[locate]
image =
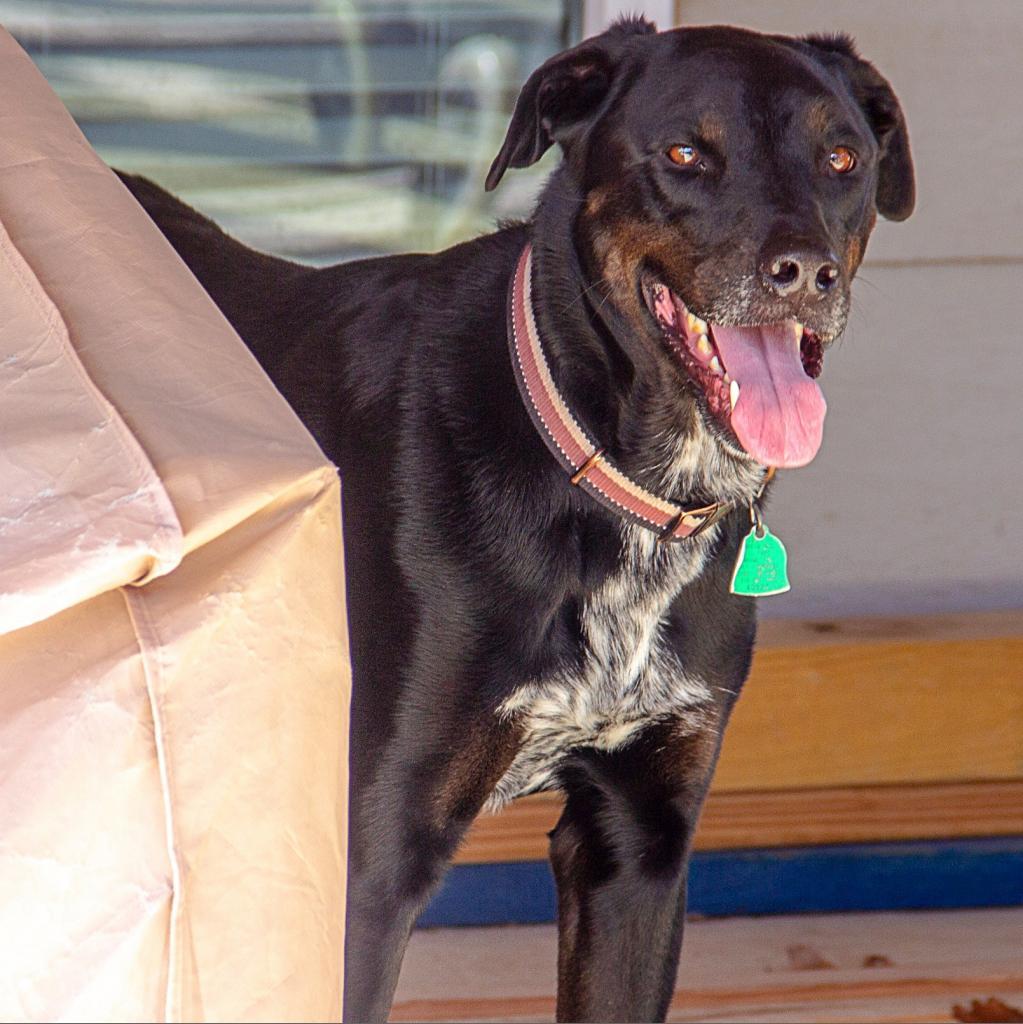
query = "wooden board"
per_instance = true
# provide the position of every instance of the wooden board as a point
(851, 731)
(884, 629)
(743, 969)
(879, 701)
(802, 817)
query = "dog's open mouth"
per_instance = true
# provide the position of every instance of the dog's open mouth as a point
(756, 380)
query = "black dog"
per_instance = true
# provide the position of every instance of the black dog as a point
(528, 612)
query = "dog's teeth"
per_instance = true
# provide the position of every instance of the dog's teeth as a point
(733, 393)
(703, 346)
(715, 364)
(695, 324)
(799, 332)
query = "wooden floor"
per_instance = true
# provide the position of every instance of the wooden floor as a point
(911, 966)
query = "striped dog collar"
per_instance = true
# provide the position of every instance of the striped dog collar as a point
(581, 457)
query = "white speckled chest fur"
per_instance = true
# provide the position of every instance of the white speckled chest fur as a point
(628, 676)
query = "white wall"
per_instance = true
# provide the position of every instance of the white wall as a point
(915, 502)
(598, 14)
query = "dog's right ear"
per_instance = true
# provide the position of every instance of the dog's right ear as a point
(561, 97)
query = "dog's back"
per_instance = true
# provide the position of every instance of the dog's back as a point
(228, 270)
(339, 341)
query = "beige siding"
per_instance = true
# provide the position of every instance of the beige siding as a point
(915, 502)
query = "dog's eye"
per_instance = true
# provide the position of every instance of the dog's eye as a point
(842, 160)
(684, 155)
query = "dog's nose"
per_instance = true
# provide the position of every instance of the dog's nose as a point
(797, 269)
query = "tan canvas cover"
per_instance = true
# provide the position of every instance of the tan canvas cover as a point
(173, 658)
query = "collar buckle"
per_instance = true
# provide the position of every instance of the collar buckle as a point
(711, 514)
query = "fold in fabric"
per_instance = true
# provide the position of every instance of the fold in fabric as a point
(174, 675)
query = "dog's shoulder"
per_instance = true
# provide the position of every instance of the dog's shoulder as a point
(360, 335)
(419, 298)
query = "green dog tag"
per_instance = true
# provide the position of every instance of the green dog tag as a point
(761, 568)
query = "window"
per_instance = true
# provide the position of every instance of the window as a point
(317, 129)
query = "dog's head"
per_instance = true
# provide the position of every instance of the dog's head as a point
(728, 184)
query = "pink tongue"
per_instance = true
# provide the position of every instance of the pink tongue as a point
(779, 418)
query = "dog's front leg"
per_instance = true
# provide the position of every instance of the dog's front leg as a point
(399, 855)
(620, 853)
(406, 826)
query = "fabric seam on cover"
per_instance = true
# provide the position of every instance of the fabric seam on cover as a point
(155, 495)
(148, 640)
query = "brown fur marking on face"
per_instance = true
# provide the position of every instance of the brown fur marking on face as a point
(853, 253)
(619, 244)
(857, 244)
(597, 200)
(818, 118)
(712, 129)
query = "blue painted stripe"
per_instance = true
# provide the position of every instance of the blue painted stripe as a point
(874, 876)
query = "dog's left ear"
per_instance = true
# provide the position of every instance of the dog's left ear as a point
(896, 187)
(560, 98)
